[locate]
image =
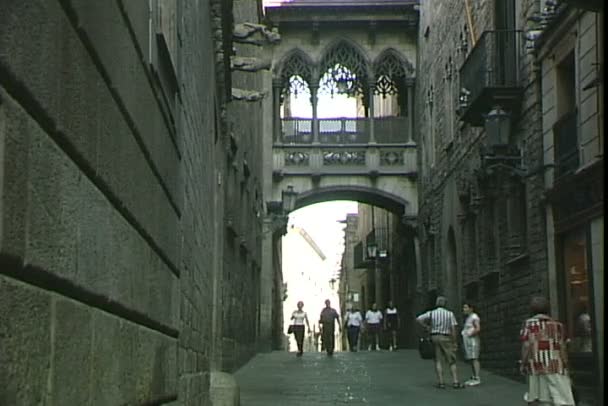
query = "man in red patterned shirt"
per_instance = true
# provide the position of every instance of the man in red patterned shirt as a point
(544, 358)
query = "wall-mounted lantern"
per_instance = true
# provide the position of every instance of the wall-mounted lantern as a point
(372, 250)
(288, 198)
(498, 127)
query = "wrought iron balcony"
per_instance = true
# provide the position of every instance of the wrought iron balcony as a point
(566, 144)
(388, 130)
(491, 75)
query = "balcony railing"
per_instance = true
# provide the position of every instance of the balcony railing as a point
(492, 75)
(566, 144)
(387, 130)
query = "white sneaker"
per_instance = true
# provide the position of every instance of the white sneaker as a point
(390, 348)
(377, 348)
(473, 382)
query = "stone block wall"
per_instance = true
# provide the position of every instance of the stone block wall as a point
(449, 157)
(112, 190)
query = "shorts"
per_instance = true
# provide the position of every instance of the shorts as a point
(444, 348)
(471, 347)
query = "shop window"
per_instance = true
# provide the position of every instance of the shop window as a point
(577, 291)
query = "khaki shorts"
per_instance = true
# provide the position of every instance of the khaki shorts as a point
(444, 348)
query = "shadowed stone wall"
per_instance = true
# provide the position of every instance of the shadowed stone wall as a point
(501, 281)
(114, 163)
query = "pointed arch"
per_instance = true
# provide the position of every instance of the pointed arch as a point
(344, 62)
(295, 63)
(391, 61)
(391, 70)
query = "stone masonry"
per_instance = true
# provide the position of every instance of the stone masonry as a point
(117, 155)
(497, 279)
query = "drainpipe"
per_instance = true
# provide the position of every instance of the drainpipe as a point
(315, 121)
(372, 136)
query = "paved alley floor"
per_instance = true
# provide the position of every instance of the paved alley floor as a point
(364, 378)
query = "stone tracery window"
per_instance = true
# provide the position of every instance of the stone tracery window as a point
(296, 75)
(390, 75)
(343, 70)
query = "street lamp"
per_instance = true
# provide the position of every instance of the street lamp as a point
(376, 255)
(372, 250)
(278, 211)
(498, 127)
(288, 198)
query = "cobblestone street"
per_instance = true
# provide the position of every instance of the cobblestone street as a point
(364, 378)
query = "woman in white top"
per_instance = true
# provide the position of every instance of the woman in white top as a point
(470, 341)
(298, 318)
(373, 318)
(353, 326)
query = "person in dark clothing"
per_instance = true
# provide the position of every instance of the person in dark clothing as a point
(327, 322)
(392, 324)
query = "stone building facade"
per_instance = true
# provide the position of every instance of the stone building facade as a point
(130, 200)
(486, 215)
(391, 275)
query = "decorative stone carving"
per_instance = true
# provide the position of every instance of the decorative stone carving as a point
(344, 158)
(256, 34)
(247, 95)
(249, 64)
(297, 158)
(391, 158)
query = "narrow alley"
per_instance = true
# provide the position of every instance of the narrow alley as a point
(364, 378)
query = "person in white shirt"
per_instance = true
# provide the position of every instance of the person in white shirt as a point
(373, 319)
(298, 318)
(353, 327)
(441, 324)
(470, 341)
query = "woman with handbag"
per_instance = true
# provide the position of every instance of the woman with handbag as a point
(298, 318)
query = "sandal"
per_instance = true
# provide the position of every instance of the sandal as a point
(440, 386)
(458, 385)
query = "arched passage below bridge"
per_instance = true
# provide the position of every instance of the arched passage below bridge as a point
(397, 194)
(375, 197)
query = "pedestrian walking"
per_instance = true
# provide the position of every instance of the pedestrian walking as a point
(353, 328)
(327, 321)
(299, 317)
(373, 320)
(544, 357)
(392, 324)
(471, 341)
(441, 324)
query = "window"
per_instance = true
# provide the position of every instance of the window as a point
(517, 219)
(565, 129)
(163, 52)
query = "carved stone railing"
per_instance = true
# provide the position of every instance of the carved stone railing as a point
(363, 159)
